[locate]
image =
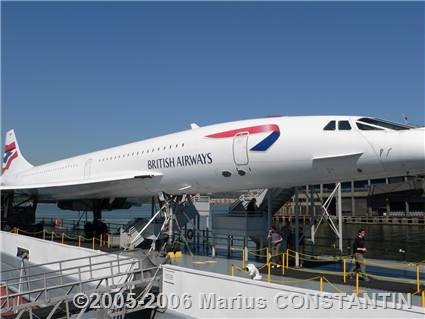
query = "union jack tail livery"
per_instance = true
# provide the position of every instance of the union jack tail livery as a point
(13, 161)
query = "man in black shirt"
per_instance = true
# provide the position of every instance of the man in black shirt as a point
(359, 249)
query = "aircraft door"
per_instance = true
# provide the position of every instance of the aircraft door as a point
(87, 168)
(240, 149)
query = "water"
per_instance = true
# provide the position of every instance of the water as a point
(383, 241)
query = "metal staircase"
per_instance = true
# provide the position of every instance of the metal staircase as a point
(241, 222)
(183, 212)
(49, 290)
(279, 196)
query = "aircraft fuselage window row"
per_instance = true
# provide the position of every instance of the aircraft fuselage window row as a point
(54, 169)
(138, 153)
(111, 158)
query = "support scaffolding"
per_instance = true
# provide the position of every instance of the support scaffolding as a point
(336, 193)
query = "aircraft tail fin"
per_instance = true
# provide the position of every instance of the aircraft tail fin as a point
(13, 160)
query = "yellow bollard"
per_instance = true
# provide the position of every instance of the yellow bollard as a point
(357, 283)
(44, 234)
(63, 237)
(243, 259)
(345, 269)
(267, 256)
(321, 284)
(283, 263)
(79, 241)
(93, 240)
(268, 273)
(52, 236)
(287, 258)
(423, 298)
(17, 231)
(100, 239)
(233, 270)
(109, 240)
(418, 282)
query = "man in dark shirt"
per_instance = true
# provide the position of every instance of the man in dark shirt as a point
(359, 249)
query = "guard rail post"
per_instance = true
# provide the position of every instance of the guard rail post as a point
(287, 258)
(267, 256)
(283, 263)
(228, 246)
(268, 273)
(63, 237)
(357, 284)
(79, 240)
(44, 234)
(418, 282)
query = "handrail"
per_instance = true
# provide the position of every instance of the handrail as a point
(73, 284)
(139, 233)
(67, 260)
(130, 262)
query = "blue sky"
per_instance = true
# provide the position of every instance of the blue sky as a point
(78, 77)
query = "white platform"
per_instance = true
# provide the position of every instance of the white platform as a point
(214, 295)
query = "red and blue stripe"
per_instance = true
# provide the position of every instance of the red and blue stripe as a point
(10, 154)
(263, 145)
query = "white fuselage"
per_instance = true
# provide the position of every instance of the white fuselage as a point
(192, 162)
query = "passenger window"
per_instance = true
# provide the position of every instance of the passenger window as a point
(330, 126)
(344, 125)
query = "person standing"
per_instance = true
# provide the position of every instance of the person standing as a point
(275, 241)
(286, 232)
(359, 249)
(252, 206)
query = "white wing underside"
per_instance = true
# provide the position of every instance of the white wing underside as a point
(123, 185)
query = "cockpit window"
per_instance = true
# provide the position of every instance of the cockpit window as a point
(365, 127)
(384, 124)
(330, 126)
(344, 125)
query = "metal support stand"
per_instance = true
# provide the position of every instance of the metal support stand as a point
(339, 214)
(198, 226)
(152, 206)
(170, 225)
(297, 227)
(269, 210)
(326, 216)
(312, 214)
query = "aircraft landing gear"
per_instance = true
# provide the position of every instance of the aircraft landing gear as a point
(97, 226)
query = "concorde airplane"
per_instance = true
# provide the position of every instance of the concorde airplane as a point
(258, 153)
